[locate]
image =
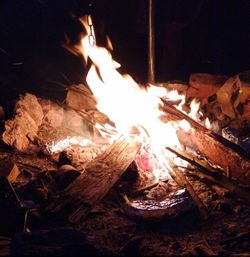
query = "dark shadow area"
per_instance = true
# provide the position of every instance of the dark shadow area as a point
(191, 36)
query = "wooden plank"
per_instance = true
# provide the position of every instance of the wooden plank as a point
(100, 176)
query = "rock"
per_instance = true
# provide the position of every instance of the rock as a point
(54, 117)
(67, 174)
(21, 131)
(9, 169)
(79, 97)
(30, 104)
(53, 113)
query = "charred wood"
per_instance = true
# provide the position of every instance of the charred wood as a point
(215, 148)
(214, 175)
(181, 180)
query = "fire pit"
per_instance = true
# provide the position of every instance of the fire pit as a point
(124, 169)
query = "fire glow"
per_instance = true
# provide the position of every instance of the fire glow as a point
(135, 111)
(129, 106)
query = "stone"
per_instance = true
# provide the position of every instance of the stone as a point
(30, 104)
(53, 113)
(21, 131)
(79, 97)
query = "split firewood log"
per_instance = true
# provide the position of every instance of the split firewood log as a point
(230, 157)
(97, 179)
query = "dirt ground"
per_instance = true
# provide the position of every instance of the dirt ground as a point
(109, 231)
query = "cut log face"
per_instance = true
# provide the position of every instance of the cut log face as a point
(103, 172)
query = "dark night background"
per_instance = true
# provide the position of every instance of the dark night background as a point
(191, 36)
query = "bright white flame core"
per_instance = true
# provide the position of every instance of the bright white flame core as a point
(135, 111)
(129, 106)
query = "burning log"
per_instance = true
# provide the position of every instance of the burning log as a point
(212, 146)
(213, 175)
(99, 177)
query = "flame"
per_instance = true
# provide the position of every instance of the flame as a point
(208, 123)
(135, 111)
(173, 95)
(195, 105)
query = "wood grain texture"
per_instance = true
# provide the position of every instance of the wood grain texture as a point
(103, 172)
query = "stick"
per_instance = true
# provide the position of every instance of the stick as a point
(181, 180)
(215, 148)
(213, 175)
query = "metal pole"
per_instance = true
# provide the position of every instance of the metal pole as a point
(151, 43)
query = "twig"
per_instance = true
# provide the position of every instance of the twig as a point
(28, 165)
(214, 175)
(181, 180)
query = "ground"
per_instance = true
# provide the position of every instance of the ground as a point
(108, 230)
